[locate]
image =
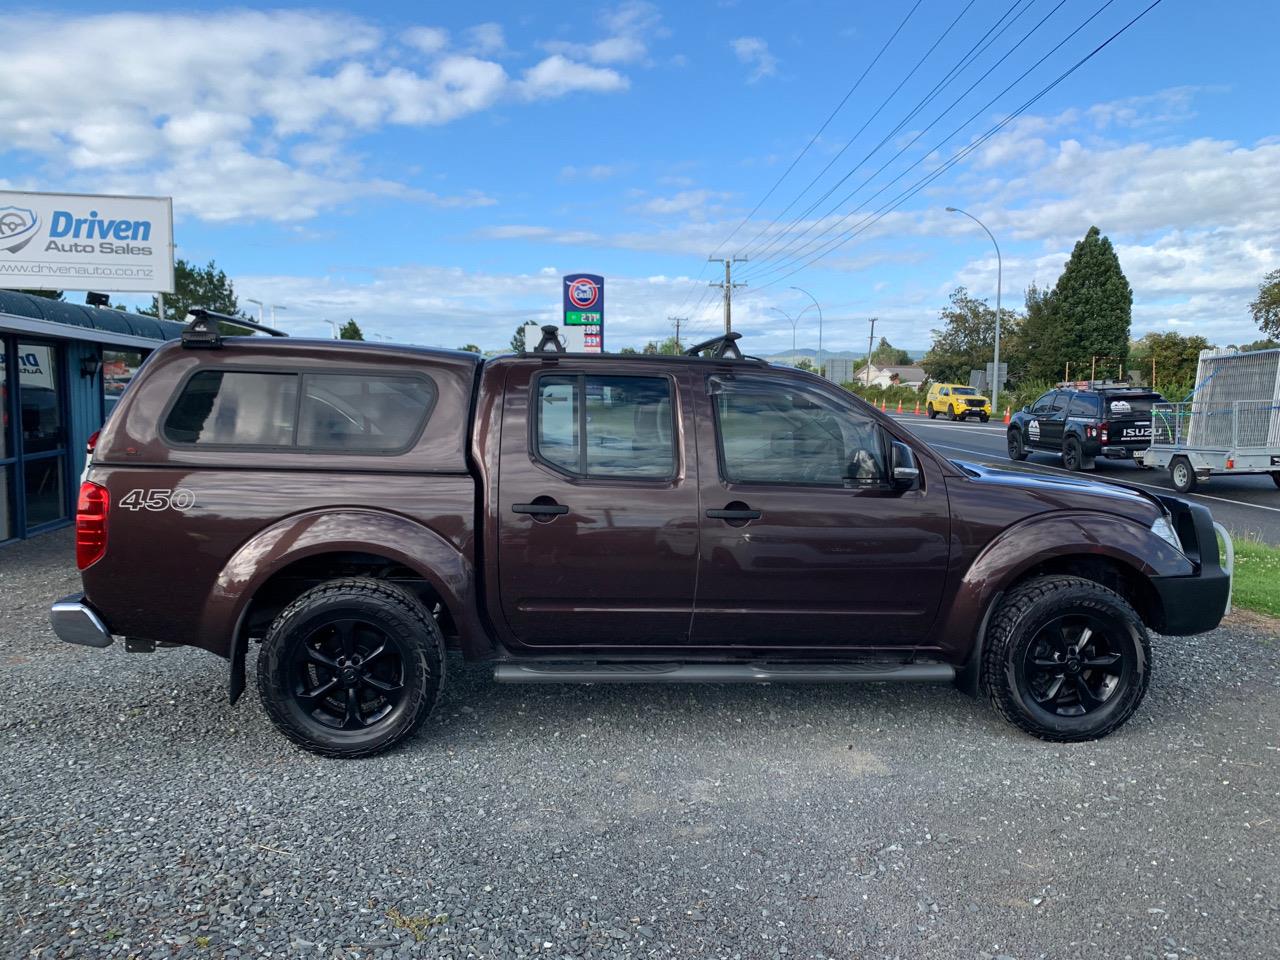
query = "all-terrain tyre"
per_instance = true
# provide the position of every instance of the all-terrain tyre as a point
(351, 667)
(933, 414)
(1065, 659)
(1017, 449)
(1275, 477)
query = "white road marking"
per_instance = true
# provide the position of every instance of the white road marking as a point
(1134, 483)
(910, 420)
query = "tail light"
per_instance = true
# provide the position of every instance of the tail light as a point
(1102, 432)
(91, 443)
(91, 524)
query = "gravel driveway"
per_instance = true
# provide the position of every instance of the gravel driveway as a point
(142, 816)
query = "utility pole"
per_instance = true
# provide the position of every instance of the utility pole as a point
(870, 343)
(728, 287)
(675, 322)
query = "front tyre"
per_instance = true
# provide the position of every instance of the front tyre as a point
(351, 667)
(1065, 659)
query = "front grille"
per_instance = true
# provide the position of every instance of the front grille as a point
(976, 403)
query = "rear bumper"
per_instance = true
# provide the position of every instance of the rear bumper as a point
(1114, 451)
(1197, 603)
(74, 621)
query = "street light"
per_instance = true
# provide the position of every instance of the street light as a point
(334, 324)
(995, 367)
(794, 321)
(262, 317)
(819, 306)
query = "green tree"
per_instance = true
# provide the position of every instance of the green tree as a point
(470, 348)
(195, 286)
(967, 339)
(350, 331)
(628, 352)
(887, 355)
(1091, 307)
(669, 347)
(1266, 308)
(518, 344)
(1175, 358)
(1267, 344)
(46, 294)
(1041, 340)
(804, 363)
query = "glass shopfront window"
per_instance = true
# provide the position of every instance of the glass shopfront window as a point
(6, 447)
(118, 368)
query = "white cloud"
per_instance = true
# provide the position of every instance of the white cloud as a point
(691, 202)
(487, 38)
(630, 28)
(596, 171)
(268, 100)
(754, 52)
(557, 75)
(429, 40)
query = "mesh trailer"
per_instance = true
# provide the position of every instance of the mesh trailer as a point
(1229, 425)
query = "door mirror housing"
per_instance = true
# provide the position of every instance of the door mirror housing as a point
(1026, 408)
(906, 474)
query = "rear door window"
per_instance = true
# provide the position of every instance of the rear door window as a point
(1083, 405)
(606, 427)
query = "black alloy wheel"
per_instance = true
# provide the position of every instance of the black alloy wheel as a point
(351, 667)
(1074, 665)
(1065, 659)
(348, 674)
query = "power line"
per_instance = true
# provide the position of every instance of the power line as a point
(785, 258)
(794, 240)
(728, 286)
(812, 140)
(830, 163)
(923, 182)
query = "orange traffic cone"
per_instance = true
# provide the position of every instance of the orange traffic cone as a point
(1006, 414)
(917, 410)
(899, 406)
(883, 407)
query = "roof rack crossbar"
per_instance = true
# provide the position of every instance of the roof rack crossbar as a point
(725, 345)
(203, 333)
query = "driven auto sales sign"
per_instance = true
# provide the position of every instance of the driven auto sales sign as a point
(59, 241)
(584, 307)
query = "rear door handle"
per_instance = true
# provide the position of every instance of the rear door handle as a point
(540, 509)
(727, 514)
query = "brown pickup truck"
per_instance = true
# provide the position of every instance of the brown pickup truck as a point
(356, 509)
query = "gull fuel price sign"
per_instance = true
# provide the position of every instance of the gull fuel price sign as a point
(584, 311)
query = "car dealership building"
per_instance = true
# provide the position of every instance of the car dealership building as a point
(63, 366)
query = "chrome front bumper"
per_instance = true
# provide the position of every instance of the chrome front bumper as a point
(76, 622)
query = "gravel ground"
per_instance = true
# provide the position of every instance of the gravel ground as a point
(142, 816)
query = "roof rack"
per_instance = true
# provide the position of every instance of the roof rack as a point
(725, 345)
(1107, 384)
(550, 342)
(202, 332)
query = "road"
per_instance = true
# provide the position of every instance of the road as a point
(1248, 505)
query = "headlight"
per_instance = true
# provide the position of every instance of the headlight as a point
(1163, 529)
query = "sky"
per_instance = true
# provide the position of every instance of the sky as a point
(432, 169)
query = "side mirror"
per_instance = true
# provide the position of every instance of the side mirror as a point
(905, 472)
(1027, 408)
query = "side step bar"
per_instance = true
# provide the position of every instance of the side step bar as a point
(588, 672)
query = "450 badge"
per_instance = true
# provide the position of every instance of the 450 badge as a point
(180, 499)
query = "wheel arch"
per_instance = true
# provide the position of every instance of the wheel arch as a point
(284, 560)
(1116, 552)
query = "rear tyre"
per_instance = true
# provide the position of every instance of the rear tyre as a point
(1182, 475)
(933, 414)
(1072, 455)
(1017, 449)
(1065, 659)
(351, 667)
(1275, 477)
